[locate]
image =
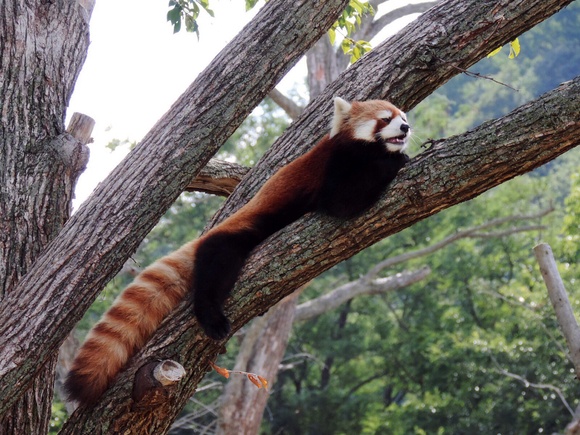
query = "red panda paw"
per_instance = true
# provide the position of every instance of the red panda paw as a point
(213, 321)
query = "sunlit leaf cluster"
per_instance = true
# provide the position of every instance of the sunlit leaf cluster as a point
(187, 11)
(346, 26)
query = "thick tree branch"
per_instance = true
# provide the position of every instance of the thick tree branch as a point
(454, 171)
(108, 227)
(409, 67)
(405, 69)
(218, 177)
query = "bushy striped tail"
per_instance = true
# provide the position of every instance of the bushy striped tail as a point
(129, 323)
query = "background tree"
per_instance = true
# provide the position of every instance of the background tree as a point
(94, 243)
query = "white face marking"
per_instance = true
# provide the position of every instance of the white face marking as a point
(366, 130)
(395, 138)
(385, 114)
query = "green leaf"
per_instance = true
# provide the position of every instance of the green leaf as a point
(332, 36)
(250, 4)
(356, 5)
(346, 45)
(205, 5)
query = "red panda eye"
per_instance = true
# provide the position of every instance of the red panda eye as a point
(387, 120)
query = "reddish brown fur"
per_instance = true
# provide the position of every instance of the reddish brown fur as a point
(139, 310)
(294, 190)
(128, 324)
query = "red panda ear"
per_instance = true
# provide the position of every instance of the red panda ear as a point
(341, 109)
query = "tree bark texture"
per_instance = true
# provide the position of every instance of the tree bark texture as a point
(324, 64)
(218, 177)
(97, 240)
(454, 171)
(405, 69)
(180, 338)
(107, 229)
(39, 163)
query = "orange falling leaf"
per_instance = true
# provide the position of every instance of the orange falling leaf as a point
(224, 372)
(254, 380)
(264, 381)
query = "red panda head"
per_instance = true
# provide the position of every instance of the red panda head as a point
(372, 121)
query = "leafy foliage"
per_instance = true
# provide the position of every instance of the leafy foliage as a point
(57, 418)
(346, 25)
(187, 11)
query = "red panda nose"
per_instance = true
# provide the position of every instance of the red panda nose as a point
(405, 128)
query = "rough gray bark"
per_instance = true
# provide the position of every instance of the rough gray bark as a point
(262, 341)
(268, 277)
(97, 240)
(218, 177)
(405, 69)
(106, 230)
(39, 162)
(453, 171)
(324, 63)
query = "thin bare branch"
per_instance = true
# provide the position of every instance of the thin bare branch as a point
(529, 384)
(384, 20)
(508, 232)
(340, 295)
(470, 232)
(481, 76)
(560, 302)
(292, 109)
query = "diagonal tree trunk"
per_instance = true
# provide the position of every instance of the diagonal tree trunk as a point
(451, 172)
(60, 284)
(196, 126)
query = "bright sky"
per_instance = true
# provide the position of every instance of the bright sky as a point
(136, 68)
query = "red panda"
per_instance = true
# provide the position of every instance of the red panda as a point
(344, 174)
